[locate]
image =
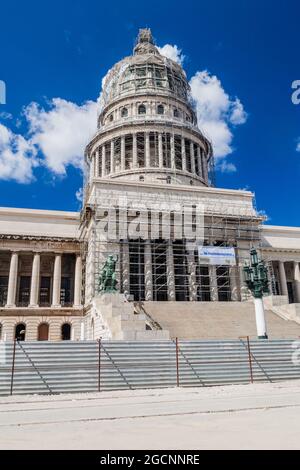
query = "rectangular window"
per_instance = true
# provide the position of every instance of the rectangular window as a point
(188, 156)
(65, 292)
(223, 282)
(24, 291)
(45, 291)
(178, 157)
(140, 139)
(3, 290)
(166, 144)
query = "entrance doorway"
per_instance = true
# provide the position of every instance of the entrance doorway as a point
(290, 292)
(20, 332)
(66, 332)
(43, 332)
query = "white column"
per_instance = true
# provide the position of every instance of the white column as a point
(260, 319)
(233, 276)
(91, 168)
(172, 151)
(160, 151)
(97, 156)
(78, 281)
(56, 281)
(205, 167)
(192, 157)
(123, 153)
(170, 272)
(213, 283)
(103, 162)
(297, 281)
(147, 150)
(82, 332)
(134, 151)
(12, 281)
(282, 277)
(183, 155)
(35, 281)
(199, 161)
(192, 276)
(126, 267)
(112, 156)
(148, 271)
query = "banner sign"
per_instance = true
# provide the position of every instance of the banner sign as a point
(216, 255)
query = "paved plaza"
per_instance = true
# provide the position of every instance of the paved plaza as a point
(245, 416)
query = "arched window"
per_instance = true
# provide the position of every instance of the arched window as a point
(142, 109)
(43, 332)
(160, 109)
(20, 332)
(124, 112)
(111, 117)
(66, 332)
(176, 113)
(1, 331)
(142, 178)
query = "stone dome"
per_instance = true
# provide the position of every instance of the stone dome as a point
(145, 70)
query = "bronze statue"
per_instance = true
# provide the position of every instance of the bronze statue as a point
(107, 278)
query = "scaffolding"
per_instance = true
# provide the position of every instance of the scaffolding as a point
(165, 267)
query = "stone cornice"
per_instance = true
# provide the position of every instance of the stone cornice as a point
(38, 238)
(174, 188)
(44, 311)
(64, 215)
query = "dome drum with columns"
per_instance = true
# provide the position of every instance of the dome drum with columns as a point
(147, 126)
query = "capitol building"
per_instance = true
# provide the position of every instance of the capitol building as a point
(147, 167)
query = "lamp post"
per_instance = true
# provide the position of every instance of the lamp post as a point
(256, 279)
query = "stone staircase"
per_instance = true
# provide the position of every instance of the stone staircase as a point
(117, 319)
(216, 320)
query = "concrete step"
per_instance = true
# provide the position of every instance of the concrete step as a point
(216, 320)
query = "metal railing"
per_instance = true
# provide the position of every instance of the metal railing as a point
(89, 366)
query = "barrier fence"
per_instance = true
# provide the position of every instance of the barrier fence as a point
(90, 366)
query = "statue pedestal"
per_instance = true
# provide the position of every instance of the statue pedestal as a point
(114, 314)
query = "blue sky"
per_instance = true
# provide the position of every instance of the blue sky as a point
(62, 49)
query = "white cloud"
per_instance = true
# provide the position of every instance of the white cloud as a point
(17, 157)
(62, 133)
(216, 112)
(172, 52)
(79, 195)
(238, 114)
(298, 146)
(4, 115)
(226, 167)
